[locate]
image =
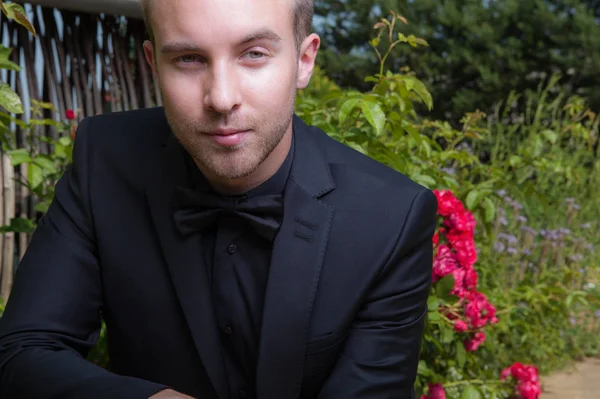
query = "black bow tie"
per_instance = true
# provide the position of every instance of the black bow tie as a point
(196, 210)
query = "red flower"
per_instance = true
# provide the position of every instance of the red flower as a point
(529, 390)
(470, 279)
(70, 114)
(459, 283)
(461, 221)
(479, 311)
(528, 386)
(444, 263)
(464, 246)
(461, 326)
(436, 391)
(472, 344)
(447, 203)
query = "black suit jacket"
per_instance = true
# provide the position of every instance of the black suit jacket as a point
(345, 303)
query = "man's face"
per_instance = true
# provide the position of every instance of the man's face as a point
(228, 71)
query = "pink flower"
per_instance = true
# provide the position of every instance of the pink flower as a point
(461, 326)
(464, 246)
(447, 203)
(70, 114)
(470, 279)
(459, 283)
(444, 262)
(472, 344)
(529, 390)
(478, 310)
(436, 391)
(463, 222)
(528, 386)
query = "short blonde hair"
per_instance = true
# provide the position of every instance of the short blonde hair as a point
(303, 17)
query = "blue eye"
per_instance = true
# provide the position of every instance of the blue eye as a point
(255, 55)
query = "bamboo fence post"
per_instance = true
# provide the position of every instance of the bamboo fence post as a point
(8, 238)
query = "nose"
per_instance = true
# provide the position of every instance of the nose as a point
(222, 89)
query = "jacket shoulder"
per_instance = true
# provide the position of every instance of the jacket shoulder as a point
(362, 167)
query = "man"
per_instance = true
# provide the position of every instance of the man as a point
(233, 251)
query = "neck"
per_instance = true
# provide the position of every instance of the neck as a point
(264, 172)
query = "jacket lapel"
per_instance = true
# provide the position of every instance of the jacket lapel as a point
(296, 261)
(184, 257)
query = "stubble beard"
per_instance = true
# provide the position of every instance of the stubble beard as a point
(236, 162)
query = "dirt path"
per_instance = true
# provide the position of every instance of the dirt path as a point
(582, 381)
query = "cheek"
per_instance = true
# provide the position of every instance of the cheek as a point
(181, 91)
(271, 86)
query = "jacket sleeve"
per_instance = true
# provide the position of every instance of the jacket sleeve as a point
(382, 350)
(52, 318)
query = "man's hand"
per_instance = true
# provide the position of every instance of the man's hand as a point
(169, 394)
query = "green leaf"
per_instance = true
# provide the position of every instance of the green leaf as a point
(46, 163)
(65, 140)
(432, 303)
(473, 199)
(414, 84)
(447, 334)
(444, 286)
(357, 147)
(347, 108)
(10, 100)
(514, 160)
(42, 207)
(374, 115)
(5, 63)
(35, 175)
(490, 209)
(18, 225)
(434, 316)
(461, 354)
(19, 156)
(425, 180)
(470, 392)
(550, 135)
(423, 369)
(15, 11)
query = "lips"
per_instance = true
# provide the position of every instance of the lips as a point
(229, 137)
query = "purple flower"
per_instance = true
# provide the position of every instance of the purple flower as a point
(511, 239)
(501, 193)
(499, 247)
(576, 257)
(570, 200)
(522, 219)
(582, 270)
(597, 314)
(503, 221)
(512, 251)
(564, 232)
(526, 252)
(529, 230)
(586, 226)
(590, 247)
(576, 207)
(572, 320)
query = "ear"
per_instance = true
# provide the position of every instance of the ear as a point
(306, 59)
(149, 53)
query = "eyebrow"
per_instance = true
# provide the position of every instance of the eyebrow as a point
(263, 34)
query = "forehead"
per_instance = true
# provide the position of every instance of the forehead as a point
(219, 20)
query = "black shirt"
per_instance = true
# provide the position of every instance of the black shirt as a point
(238, 263)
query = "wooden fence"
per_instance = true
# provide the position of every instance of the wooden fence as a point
(88, 63)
